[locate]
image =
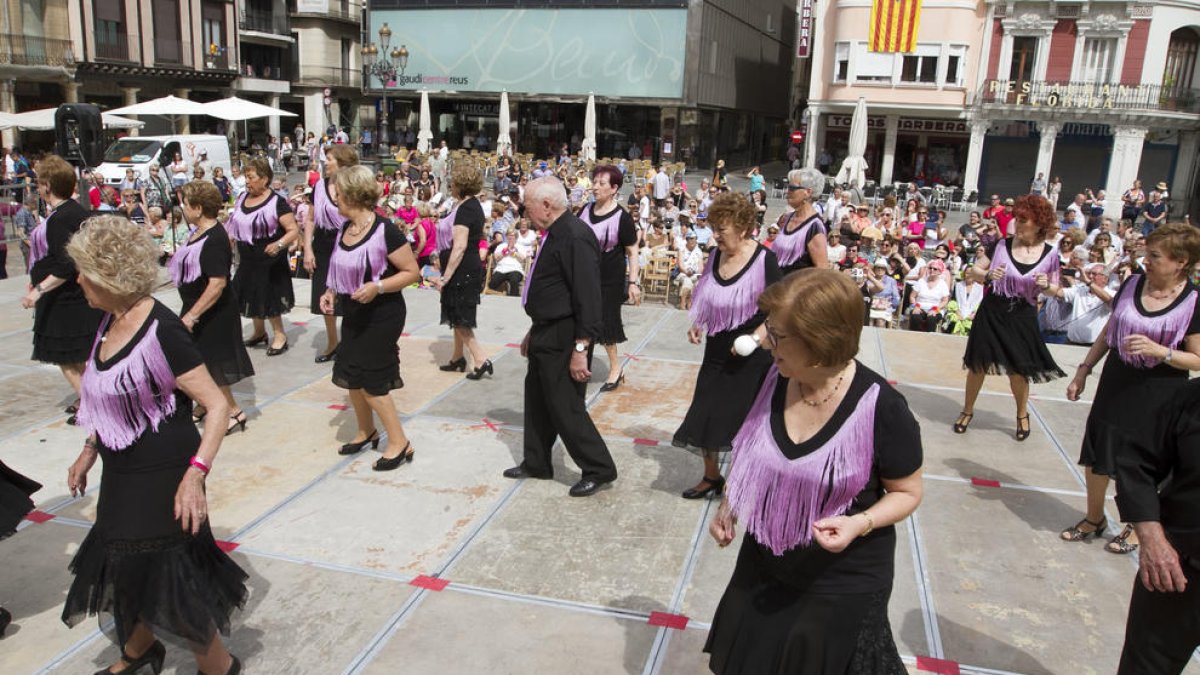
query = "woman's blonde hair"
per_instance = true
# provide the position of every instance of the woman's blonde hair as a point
(117, 255)
(466, 180)
(356, 187)
(821, 308)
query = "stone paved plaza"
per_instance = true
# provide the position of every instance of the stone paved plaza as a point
(444, 566)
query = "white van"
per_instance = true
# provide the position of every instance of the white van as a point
(137, 152)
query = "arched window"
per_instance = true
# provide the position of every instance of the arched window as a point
(1181, 61)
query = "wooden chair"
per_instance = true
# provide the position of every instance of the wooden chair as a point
(656, 276)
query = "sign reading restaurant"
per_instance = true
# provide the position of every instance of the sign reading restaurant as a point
(1077, 95)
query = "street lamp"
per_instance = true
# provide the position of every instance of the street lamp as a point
(387, 69)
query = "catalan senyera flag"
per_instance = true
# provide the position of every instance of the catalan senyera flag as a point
(894, 25)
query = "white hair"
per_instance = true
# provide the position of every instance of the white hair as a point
(809, 178)
(549, 188)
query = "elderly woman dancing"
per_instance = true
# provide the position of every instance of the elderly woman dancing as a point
(371, 263)
(322, 224)
(801, 242)
(1152, 341)
(63, 324)
(724, 307)
(150, 561)
(827, 461)
(1004, 336)
(458, 237)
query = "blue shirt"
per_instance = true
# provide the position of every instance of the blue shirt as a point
(756, 182)
(703, 235)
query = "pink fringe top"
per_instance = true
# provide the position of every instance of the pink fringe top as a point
(1016, 284)
(259, 224)
(349, 267)
(791, 247)
(39, 245)
(718, 307)
(778, 499)
(607, 229)
(1167, 329)
(185, 264)
(325, 213)
(121, 402)
(445, 231)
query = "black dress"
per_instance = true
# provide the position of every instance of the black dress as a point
(726, 383)
(614, 285)
(218, 332)
(791, 247)
(368, 355)
(136, 563)
(808, 610)
(14, 498)
(1129, 400)
(1004, 338)
(63, 322)
(263, 283)
(460, 296)
(327, 223)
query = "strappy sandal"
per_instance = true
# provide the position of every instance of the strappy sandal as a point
(1022, 434)
(964, 421)
(1120, 543)
(1074, 533)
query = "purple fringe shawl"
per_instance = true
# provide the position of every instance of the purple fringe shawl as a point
(119, 403)
(325, 212)
(789, 248)
(717, 308)
(39, 245)
(606, 230)
(1167, 329)
(262, 223)
(348, 267)
(778, 499)
(445, 231)
(185, 264)
(1018, 285)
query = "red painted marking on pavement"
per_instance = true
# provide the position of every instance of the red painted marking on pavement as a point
(227, 546)
(430, 583)
(338, 406)
(676, 621)
(984, 482)
(513, 345)
(299, 323)
(893, 382)
(38, 516)
(635, 357)
(645, 441)
(929, 664)
(405, 334)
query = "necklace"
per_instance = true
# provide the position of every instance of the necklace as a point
(357, 229)
(118, 316)
(1163, 295)
(836, 386)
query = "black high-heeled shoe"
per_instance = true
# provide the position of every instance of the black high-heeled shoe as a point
(327, 356)
(261, 339)
(235, 668)
(964, 421)
(153, 657)
(236, 422)
(716, 486)
(5, 619)
(612, 386)
(276, 351)
(459, 364)
(1022, 434)
(477, 374)
(355, 448)
(391, 463)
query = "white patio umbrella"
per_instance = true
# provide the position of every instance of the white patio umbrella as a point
(167, 106)
(504, 139)
(424, 136)
(43, 120)
(588, 149)
(854, 167)
(234, 109)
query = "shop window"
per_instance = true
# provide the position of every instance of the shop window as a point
(956, 57)
(1099, 57)
(841, 61)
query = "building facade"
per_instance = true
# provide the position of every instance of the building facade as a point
(1096, 92)
(690, 80)
(327, 36)
(38, 62)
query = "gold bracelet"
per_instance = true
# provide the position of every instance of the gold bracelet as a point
(870, 523)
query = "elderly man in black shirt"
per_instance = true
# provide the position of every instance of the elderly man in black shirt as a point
(1163, 628)
(562, 297)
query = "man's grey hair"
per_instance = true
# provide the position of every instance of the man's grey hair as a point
(547, 187)
(809, 178)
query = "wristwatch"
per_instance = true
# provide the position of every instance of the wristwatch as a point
(580, 347)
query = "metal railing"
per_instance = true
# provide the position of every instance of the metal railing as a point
(217, 61)
(1086, 96)
(29, 50)
(172, 52)
(263, 21)
(115, 46)
(328, 76)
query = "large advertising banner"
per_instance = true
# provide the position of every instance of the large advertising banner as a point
(609, 52)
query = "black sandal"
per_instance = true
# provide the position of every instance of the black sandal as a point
(964, 421)
(1120, 543)
(1074, 533)
(1022, 434)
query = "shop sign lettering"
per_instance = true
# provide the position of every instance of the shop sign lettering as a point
(804, 29)
(1070, 95)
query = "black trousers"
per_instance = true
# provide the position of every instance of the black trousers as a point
(554, 407)
(1163, 629)
(512, 279)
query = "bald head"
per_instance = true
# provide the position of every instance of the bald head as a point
(545, 201)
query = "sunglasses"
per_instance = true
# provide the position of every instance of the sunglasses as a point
(793, 188)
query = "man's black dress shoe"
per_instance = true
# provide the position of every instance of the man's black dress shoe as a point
(519, 471)
(586, 487)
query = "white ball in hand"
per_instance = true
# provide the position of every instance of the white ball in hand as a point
(745, 345)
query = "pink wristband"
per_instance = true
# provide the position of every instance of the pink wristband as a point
(199, 464)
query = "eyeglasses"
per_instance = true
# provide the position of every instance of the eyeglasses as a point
(773, 338)
(793, 188)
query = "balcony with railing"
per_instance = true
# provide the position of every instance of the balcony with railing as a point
(217, 58)
(349, 11)
(172, 53)
(264, 21)
(328, 76)
(114, 46)
(1089, 97)
(29, 50)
